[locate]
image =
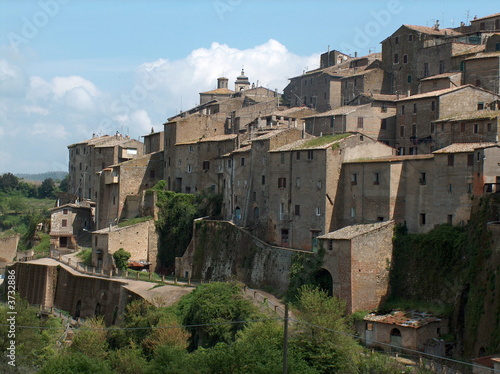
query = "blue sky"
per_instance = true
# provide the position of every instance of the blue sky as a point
(71, 68)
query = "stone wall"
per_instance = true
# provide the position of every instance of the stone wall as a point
(221, 251)
(8, 248)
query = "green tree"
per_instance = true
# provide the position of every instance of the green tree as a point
(121, 257)
(8, 181)
(17, 204)
(91, 339)
(64, 185)
(324, 340)
(75, 363)
(47, 189)
(214, 305)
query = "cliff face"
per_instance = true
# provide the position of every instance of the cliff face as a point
(458, 269)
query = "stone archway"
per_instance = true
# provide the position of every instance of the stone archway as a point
(324, 281)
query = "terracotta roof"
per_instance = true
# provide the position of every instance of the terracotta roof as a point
(472, 49)
(487, 361)
(484, 55)
(390, 159)
(322, 142)
(269, 134)
(343, 110)
(433, 31)
(219, 91)
(441, 76)
(244, 149)
(404, 319)
(292, 112)
(476, 114)
(486, 17)
(216, 138)
(352, 231)
(436, 93)
(83, 205)
(464, 147)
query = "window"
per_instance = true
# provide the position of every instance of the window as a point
(414, 129)
(64, 223)
(405, 59)
(422, 218)
(451, 160)
(480, 106)
(354, 178)
(396, 40)
(450, 219)
(470, 159)
(433, 106)
(383, 124)
(497, 46)
(433, 127)
(319, 184)
(469, 188)
(191, 148)
(462, 127)
(401, 151)
(408, 78)
(414, 108)
(476, 128)
(65, 211)
(423, 180)
(402, 109)
(332, 121)
(81, 166)
(190, 168)
(360, 122)
(282, 157)
(426, 69)
(297, 182)
(229, 163)
(152, 173)
(482, 26)
(310, 154)
(450, 188)
(376, 178)
(396, 58)
(297, 155)
(281, 182)
(488, 127)
(410, 38)
(242, 161)
(263, 181)
(383, 108)
(353, 212)
(441, 66)
(297, 210)
(206, 165)
(318, 211)
(401, 131)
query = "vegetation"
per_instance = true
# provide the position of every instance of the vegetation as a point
(134, 221)
(231, 337)
(175, 220)
(323, 140)
(86, 256)
(121, 257)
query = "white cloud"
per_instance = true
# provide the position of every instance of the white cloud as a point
(48, 113)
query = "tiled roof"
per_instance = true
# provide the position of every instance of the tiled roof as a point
(434, 93)
(104, 141)
(390, 159)
(484, 55)
(404, 319)
(487, 361)
(441, 76)
(472, 49)
(464, 147)
(352, 231)
(216, 138)
(270, 134)
(292, 112)
(433, 31)
(476, 114)
(486, 17)
(244, 149)
(343, 110)
(321, 142)
(219, 91)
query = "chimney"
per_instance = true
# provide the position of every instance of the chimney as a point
(436, 25)
(355, 54)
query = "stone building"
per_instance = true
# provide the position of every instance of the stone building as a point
(488, 24)
(476, 126)
(441, 82)
(416, 114)
(357, 258)
(483, 70)
(199, 165)
(303, 179)
(486, 364)
(91, 156)
(154, 142)
(411, 330)
(400, 55)
(220, 93)
(376, 119)
(68, 222)
(122, 189)
(330, 87)
(140, 240)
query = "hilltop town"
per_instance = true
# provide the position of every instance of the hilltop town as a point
(329, 168)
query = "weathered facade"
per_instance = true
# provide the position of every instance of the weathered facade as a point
(69, 221)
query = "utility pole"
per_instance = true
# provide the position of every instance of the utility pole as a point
(285, 342)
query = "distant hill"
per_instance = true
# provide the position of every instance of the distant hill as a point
(42, 176)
